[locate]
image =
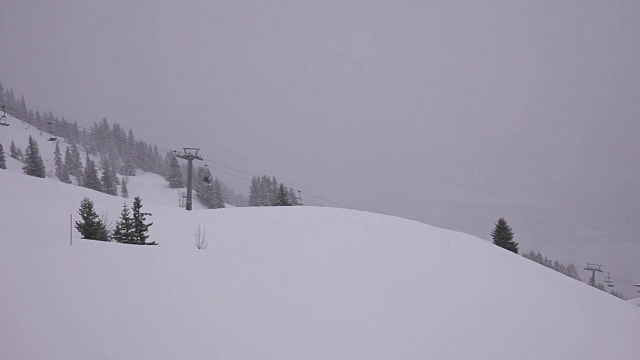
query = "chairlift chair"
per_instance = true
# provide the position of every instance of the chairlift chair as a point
(207, 179)
(3, 118)
(608, 280)
(52, 135)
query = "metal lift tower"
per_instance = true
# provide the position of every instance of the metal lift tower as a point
(190, 154)
(593, 268)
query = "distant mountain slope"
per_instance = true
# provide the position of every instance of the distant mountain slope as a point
(283, 283)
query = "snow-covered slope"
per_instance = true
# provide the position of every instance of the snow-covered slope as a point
(283, 283)
(149, 186)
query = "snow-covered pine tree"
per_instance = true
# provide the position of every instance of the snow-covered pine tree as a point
(273, 191)
(3, 163)
(90, 226)
(217, 202)
(283, 196)
(15, 152)
(127, 167)
(254, 192)
(57, 160)
(502, 236)
(123, 232)
(203, 187)
(64, 175)
(175, 177)
(265, 191)
(124, 190)
(75, 165)
(114, 173)
(33, 164)
(108, 182)
(68, 162)
(90, 177)
(140, 227)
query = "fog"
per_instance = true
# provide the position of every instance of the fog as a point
(451, 113)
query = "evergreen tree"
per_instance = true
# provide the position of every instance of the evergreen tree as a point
(127, 167)
(57, 160)
(217, 201)
(140, 228)
(502, 236)
(108, 182)
(15, 151)
(204, 189)
(68, 162)
(90, 177)
(33, 164)
(64, 175)
(266, 198)
(283, 197)
(75, 164)
(3, 163)
(90, 226)
(114, 173)
(175, 177)
(254, 192)
(124, 190)
(123, 232)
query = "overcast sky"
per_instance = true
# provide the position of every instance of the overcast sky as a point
(448, 112)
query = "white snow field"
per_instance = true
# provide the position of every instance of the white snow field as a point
(283, 283)
(277, 283)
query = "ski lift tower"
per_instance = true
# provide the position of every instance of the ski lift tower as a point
(593, 268)
(190, 154)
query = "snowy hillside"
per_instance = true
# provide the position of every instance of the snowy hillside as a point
(283, 283)
(149, 186)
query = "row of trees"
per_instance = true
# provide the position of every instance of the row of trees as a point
(265, 191)
(131, 228)
(568, 270)
(103, 139)
(86, 176)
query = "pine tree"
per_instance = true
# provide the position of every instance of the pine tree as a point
(140, 228)
(175, 177)
(283, 197)
(217, 201)
(3, 163)
(502, 236)
(33, 164)
(293, 199)
(90, 177)
(108, 182)
(254, 192)
(127, 167)
(68, 163)
(57, 160)
(75, 164)
(13, 151)
(123, 232)
(124, 190)
(90, 226)
(64, 175)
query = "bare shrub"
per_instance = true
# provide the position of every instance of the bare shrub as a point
(200, 236)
